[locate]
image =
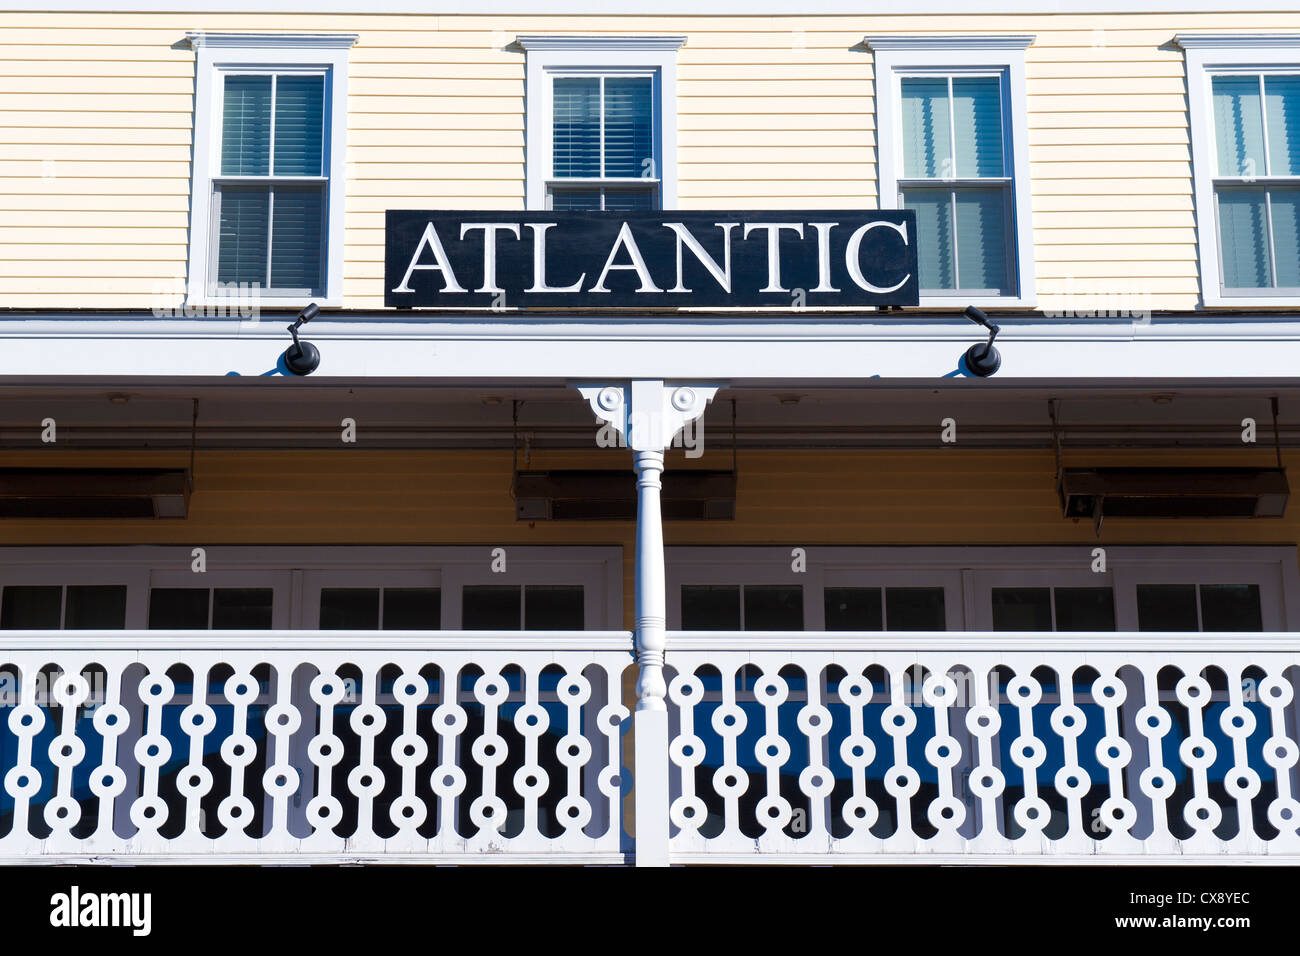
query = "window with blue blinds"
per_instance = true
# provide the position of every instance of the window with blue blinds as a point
(956, 177)
(1257, 182)
(269, 199)
(602, 130)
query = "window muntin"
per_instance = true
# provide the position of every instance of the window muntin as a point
(956, 177)
(270, 189)
(603, 141)
(1256, 131)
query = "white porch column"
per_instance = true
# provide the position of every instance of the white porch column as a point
(648, 414)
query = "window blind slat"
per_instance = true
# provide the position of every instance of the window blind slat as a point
(628, 136)
(576, 127)
(1282, 109)
(1238, 125)
(246, 126)
(981, 238)
(296, 230)
(977, 123)
(1243, 235)
(299, 123)
(933, 236)
(242, 234)
(927, 140)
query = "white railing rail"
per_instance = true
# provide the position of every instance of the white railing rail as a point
(939, 747)
(313, 746)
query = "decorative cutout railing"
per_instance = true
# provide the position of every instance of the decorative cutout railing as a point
(312, 745)
(878, 747)
(480, 746)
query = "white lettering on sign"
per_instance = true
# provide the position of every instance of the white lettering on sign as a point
(539, 261)
(626, 241)
(774, 249)
(854, 264)
(490, 230)
(684, 238)
(441, 263)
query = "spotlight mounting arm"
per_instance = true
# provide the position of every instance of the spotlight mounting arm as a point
(982, 359)
(302, 358)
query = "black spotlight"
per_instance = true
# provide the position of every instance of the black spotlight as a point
(302, 358)
(982, 358)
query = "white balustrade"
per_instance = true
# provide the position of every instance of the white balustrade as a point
(780, 747)
(943, 747)
(301, 746)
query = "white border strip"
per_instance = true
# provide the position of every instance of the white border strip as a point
(663, 8)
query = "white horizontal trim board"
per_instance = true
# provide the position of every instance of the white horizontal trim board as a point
(618, 348)
(663, 7)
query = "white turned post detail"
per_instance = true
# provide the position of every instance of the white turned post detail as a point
(651, 610)
(648, 414)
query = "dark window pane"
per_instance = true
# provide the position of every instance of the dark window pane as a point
(246, 126)
(31, 607)
(96, 606)
(299, 125)
(1231, 607)
(575, 130)
(1085, 609)
(349, 609)
(1022, 609)
(553, 608)
(178, 609)
(773, 607)
(1166, 607)
(915, 609)
(412, 609)
(853, 609)
(708, 607)
(296, 230)
(242, 233)
(575, 198)
(624, 199)
(245, 609)
(628, 136)
(490, 607)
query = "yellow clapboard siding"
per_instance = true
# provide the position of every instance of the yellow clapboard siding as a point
(15, 137)
(68, 155)
(367, 138)
(124, 242)
(773, 112)
(761, 139)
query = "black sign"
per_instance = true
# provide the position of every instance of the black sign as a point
(650, 259)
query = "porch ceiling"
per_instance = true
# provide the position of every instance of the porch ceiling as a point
(280, 413)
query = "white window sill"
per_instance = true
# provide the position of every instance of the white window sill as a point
(1251, 301)
(959, 301)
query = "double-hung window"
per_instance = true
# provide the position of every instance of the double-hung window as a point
(268, 185)
(601, 122)
(951, 148)
(1244, 98)
(603, 142)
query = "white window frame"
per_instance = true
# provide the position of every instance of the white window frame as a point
(897, 56)
(218, 53)
(550, 56)
(297, 573)
(967, 573)
(1208, 54)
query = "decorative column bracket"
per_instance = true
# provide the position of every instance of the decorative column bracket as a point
(648, 414)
